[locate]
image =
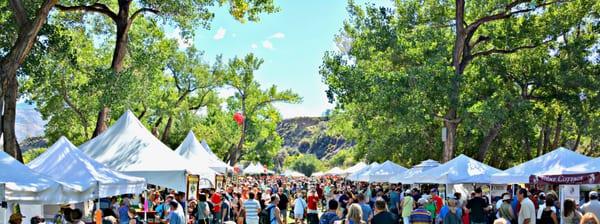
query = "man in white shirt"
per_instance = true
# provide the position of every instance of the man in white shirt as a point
(527, 212)
(593, 206)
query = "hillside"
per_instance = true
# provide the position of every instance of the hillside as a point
(308, 135)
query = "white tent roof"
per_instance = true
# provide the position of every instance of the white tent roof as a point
(317, 174)
(407, 177)
(63, 161)
(335, 171)
(591, 166)
(552, 162)
(459, 170)
(193, 150)
(355, 168)
(354, 176)
(292, 173)
(129, 147)
(254, 169)
(24, 185)
(381, 173)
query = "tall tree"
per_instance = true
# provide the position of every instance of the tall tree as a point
(183, 14)
(250, 100)
(26, 23)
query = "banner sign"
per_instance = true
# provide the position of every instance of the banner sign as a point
(192, 186)
(586, 178)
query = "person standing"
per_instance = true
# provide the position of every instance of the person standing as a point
(354, 216)
(477, 207)
(570, 213)
(438, 202)
(331, 215)
(505, 210)
(453, 213)
(527, 211)
(299, 208)
(313, 211)
(251, 208)
(175, 216)
(203, 211)
(382, 215)
(123, 211)
(408, 204)
(592, 206)
(420, 215)
(274, 213)
(216, 200)
(367, 213)
(548, 214)
(283, 204)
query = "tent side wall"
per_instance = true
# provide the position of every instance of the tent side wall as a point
(170, 179)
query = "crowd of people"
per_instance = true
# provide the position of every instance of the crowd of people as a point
(330, 200)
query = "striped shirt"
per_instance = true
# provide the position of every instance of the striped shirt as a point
(420, 216)
(251, 207)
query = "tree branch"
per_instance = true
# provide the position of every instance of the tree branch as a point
(96, 7)
(505, 51)
(142, 10)
(508, 13)
(19, 11)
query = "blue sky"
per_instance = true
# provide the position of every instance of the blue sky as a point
(292, 43)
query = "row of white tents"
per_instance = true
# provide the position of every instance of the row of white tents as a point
(122, 160)
(463, 169)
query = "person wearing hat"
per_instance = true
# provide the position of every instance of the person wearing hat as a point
(16, 218)
(408, 204)
(505, 210)
(592, 206)
(420, 215)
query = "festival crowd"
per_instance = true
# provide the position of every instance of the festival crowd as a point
(329, 200)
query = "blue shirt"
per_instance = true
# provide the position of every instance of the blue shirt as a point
(123, 214)
(328, 218)
(174, 218)
(366, 210)
(394, 199)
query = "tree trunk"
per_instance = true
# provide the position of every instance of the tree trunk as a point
(547, 133)
(28, 31)
(450, 143)
(577, 141)
(165, 135)
(527, 147)
(10, 88)
(557, 130)
(540, 149)
(155, 128)
(101, 121)
(487, 141)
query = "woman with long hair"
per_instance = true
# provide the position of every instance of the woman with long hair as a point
(354, 215)
(570, 213)
(548, 215)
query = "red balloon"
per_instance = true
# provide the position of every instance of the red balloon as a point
(239, 118)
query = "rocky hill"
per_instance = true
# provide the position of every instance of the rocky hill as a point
(308, 135)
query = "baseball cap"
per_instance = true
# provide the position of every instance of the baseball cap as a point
(506, 197)
(422, 201)
(593, 194)
(408, 191)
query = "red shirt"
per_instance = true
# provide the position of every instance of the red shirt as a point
(216, 200)
(312, 202)
(438, 204)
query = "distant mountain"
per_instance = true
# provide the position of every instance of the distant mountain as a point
(308, 135)
(29, 122)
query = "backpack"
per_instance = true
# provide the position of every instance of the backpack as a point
(264, 217)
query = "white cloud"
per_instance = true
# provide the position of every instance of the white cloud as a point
(278, 35)
(267, 44)
(220, 34)
(254, 46)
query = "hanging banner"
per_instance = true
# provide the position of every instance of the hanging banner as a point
(192, 186)
(220, 182)
(587, 178)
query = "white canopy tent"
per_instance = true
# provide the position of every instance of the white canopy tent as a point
(254, 169)
(336, 171)
(407, 177)
(129, 147)
(355, 168)
(552, 162)
(194, 151)
(382, 173)
(222, 166)
(23, 185)
(354, 176)
(63, 161)
(459, 170)
(292, 173)
(591, 166)
(317, 174)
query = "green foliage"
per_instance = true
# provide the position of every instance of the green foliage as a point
(304, 163)
(392, 79)
(32, 154)
(343, 158)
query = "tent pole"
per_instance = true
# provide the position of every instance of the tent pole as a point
(146, 204)
(97, 199)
